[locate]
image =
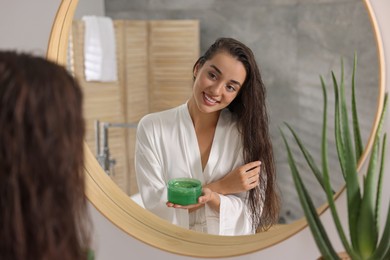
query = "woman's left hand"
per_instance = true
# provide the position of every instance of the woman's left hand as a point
(208, 196)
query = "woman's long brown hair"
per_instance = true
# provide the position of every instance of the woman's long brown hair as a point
(251, 112)
(42, 203)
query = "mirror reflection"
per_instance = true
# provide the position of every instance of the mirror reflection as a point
(293, 41)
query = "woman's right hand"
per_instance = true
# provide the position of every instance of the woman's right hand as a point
(241, 179)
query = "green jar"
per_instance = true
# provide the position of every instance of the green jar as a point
(184, 191)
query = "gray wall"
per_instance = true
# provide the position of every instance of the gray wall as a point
(294, 41)
(18, 27)
(89, 7)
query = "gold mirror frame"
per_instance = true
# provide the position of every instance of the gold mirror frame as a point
(117, 207)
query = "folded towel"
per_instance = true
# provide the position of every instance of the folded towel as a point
(99, 49)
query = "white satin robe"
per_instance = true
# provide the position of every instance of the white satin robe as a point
(167, 148)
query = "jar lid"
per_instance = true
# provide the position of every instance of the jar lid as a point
(184, 191)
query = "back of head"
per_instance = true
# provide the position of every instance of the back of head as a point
(42, 205)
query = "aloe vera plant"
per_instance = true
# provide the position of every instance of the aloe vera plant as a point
(365, 241)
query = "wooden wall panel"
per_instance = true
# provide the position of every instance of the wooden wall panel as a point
(102, 101)
(173, 49)
(136, 86)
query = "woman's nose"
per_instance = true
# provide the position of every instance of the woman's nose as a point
(217, 88)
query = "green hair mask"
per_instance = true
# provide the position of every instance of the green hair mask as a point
(184, 191)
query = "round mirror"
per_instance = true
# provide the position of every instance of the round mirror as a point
(116, 205)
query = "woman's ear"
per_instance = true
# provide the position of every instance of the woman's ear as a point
(196, 69)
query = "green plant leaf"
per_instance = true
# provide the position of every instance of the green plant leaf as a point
(367, 228)
(355, 118)
(319, 234)
(383, 249)
(369, 215)
(381, 170)
(309, 159)
(379, 183)
(338, 133)
(352, 182)
(326, 180)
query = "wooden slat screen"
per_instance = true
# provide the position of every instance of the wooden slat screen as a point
(154, 60)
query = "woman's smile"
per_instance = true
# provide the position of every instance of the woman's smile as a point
(209, 100)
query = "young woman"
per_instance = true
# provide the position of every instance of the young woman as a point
(42, 202)
(220, 136)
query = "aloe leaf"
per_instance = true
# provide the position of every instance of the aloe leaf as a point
(352, 182)
(309, 159)
(326, 179)
(384, 143)
(367, 228)
(383, 249)
(384, 110)
(379, 183)
(369, 217)
(355, 118)
(319, 234)
(338, 134)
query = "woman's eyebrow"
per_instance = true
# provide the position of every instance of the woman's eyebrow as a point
(216, 68)
(220, 72)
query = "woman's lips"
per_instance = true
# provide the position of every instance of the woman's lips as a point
(209, 100)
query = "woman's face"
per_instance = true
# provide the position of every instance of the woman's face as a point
(217, 82)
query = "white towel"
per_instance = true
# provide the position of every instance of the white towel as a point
(99, 49)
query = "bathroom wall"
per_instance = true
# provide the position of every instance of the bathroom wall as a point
(18, 32)
(89, 7)
(26, 25)
(294, 42)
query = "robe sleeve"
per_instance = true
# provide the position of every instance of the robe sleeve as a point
(233, 217)
(150, 176)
